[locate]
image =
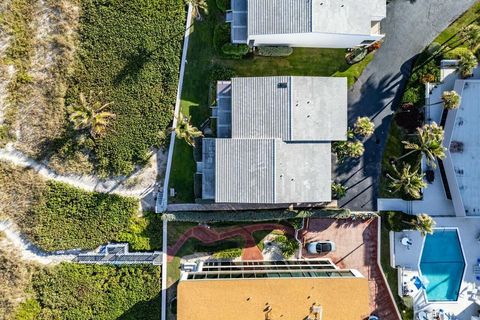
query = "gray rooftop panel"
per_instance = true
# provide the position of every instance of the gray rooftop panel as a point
(318, 109)
(279, 16)
(302, 172)
(260, 107)
(244, 170)
(224, 109)
(239, 5)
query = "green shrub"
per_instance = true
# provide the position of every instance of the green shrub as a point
(130, 51)
(287, 245)
(67, 217)
(356, 55)
(235, 50)
(221, 35)
(397, 220)
(76, 291)
(274, 51)
(228, 253)
(220, 72)
(411, 95)
(433, 48)
(143, 233)
(223, 5)
(457, 53)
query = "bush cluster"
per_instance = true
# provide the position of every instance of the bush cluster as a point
(235, 50)
(274, 51)
(129, 51)
(228, 253)
(68, 217)
(223, 5)
(221, 36)
(75, 291)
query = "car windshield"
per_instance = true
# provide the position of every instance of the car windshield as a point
(322, 247)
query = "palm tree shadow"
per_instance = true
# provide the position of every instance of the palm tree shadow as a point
(134, 66)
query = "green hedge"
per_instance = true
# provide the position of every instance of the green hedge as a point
(223, 5)
(397, 220)
(221, 36)
(235, 50)
(228, 253)
(68, 217)
(75, 291)
(130, 51)
(238, 216)
(274, 51)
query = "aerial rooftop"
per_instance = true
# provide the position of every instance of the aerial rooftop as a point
(274, 137)
(461, 140)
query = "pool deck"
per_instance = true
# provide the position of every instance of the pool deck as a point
(468, 229)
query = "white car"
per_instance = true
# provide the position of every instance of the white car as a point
(372, 317)
(321, 247)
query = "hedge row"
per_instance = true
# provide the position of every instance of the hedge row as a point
(238, 216)
(274, 51)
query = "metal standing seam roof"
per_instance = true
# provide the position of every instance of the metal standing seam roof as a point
(289, 108)
(279, 16)
(244, 170)
(306, 16)
(260, 108)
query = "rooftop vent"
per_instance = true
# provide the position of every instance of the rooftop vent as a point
(282, 85)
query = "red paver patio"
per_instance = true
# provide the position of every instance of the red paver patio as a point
(357, 248)
(208, 236)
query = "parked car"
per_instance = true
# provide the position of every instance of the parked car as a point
(373, 317)
(320, 247)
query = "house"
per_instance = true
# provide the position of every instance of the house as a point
(306, 23)
(273, 140)
(248, 290)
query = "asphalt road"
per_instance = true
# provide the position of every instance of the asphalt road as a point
(409, 27)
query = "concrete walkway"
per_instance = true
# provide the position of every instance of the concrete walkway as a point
(409, 27)
(208, 236)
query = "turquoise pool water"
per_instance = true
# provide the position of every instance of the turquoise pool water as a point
(442, 264)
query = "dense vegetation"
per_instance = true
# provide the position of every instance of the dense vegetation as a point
(67, 217)
(129, 52)
(73, 291)
(56, 216)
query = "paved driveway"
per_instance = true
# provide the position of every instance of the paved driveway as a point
(356, 249)
(409, 27)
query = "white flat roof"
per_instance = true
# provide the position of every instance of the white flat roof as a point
(465, 129)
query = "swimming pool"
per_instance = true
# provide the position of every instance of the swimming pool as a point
(442, 264)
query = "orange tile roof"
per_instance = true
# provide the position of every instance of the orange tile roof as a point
(289, 298)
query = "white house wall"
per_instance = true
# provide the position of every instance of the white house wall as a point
(311, 40)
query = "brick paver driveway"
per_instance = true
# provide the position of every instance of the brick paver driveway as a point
(356, 249)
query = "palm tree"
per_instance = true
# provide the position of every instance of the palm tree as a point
(90, 114)
(424, 224)
(184, 130)
(471, 35)
(338, 191)
(467, 63)
(198, 6)
(430, 143)
(451, 99)
(364, 127)
(408, 181)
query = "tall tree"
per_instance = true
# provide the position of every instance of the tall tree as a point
(451, 99)
(364, 127)
(184, 130)
(90, 114)
(429, 143)
(424, 224)
(471, 35)
(406, 180)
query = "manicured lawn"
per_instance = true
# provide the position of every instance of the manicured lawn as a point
(130, 51)
(471, 15)
(74, 291)
(195, 96)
